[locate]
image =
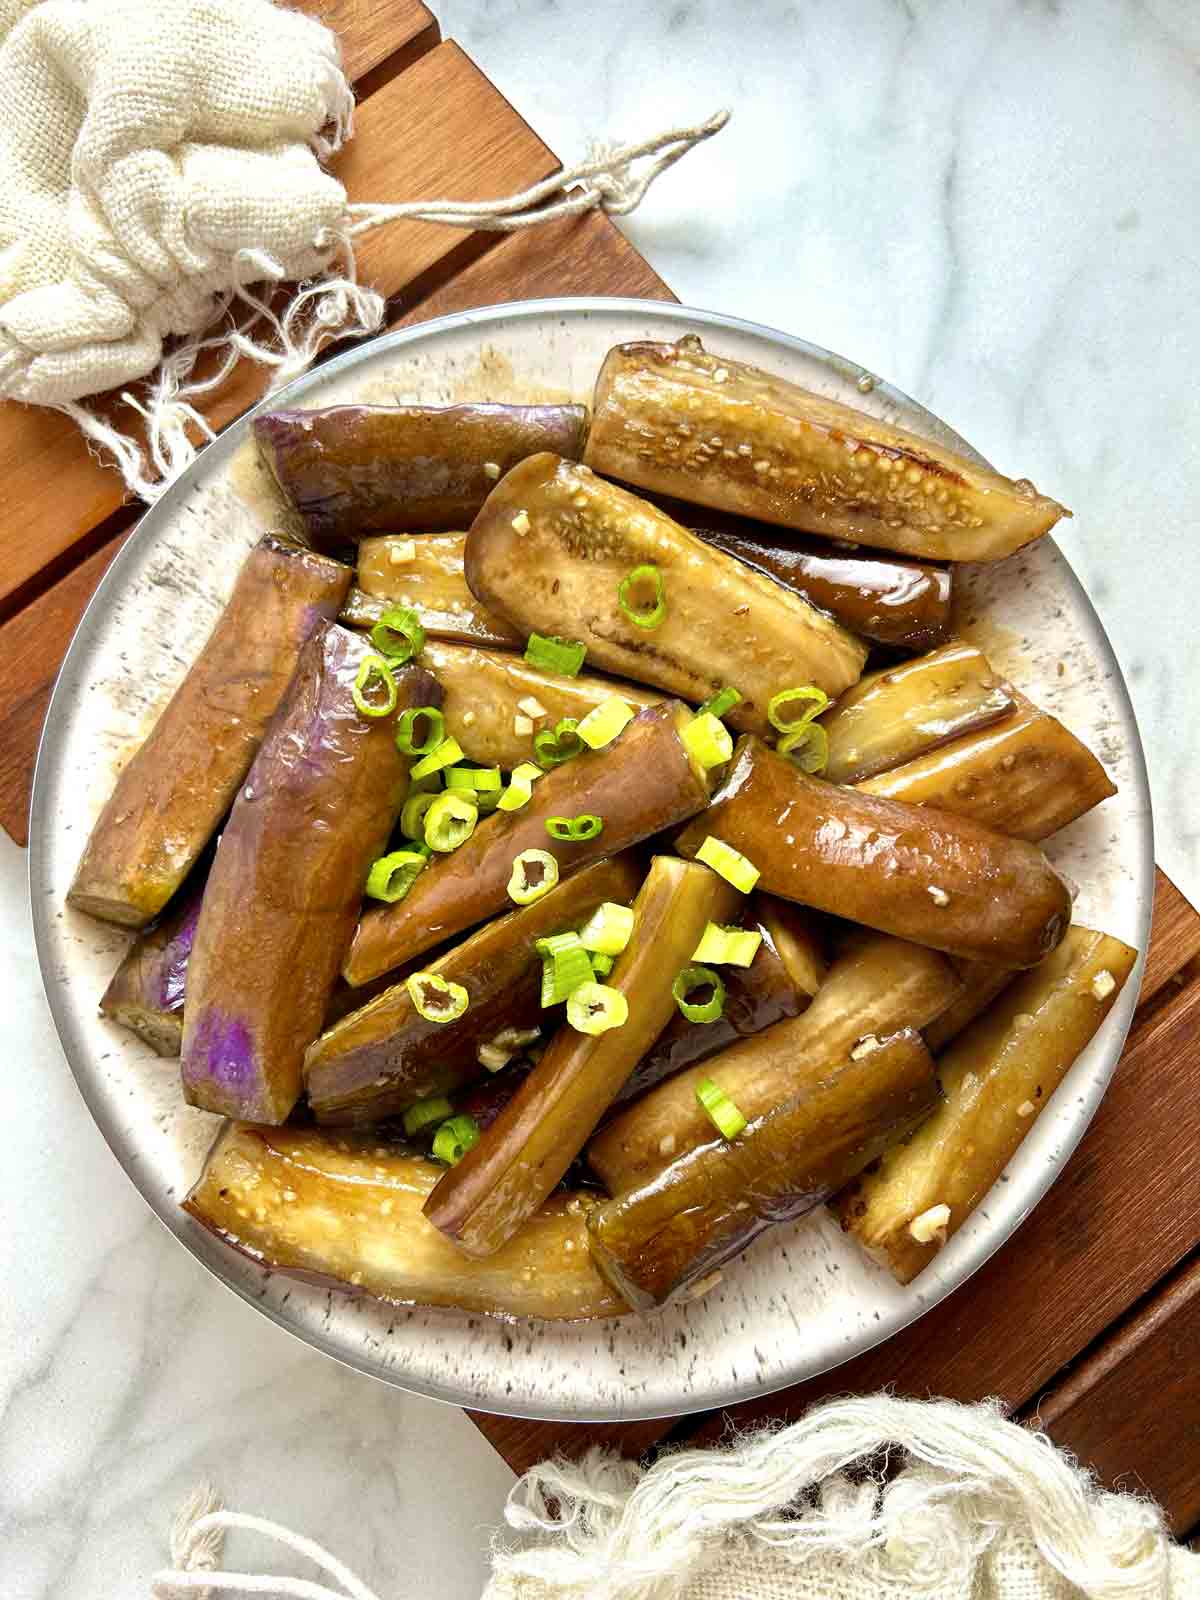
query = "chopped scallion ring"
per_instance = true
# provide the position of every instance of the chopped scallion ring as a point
(454, 1138)
(731, 864)
(720, 1109)
(565, 966)
(575, 830)
(552, 749)
(446, 754)
(807, 747)
(595, 1008)
(520, 787)
(608, 929)
(807, 702)
(483, 780)
(435, 999)
(450, 821)
(412, 817)
(374, 670)
(392, 876)
(601, 726)
(398, 634)
(407, 741)
(724, 700)
(692, 978)
(728, 947)
(602, 965)
(707, 740)
(425, 1113)
(551, 654)
(534, 873)
(649, 614)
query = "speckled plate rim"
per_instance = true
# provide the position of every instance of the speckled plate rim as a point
(212, 1253)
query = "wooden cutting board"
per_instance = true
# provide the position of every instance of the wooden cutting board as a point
(1088, 1319)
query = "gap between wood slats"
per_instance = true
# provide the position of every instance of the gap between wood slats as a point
(440, 129)
(1115, 1223)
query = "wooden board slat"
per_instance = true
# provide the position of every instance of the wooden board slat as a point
(1175, 939)
(1131, 1409)
(371, 32)
(439, 129)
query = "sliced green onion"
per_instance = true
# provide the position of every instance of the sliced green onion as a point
(435, 999)
(553, 943)
(692, 978)
(552, 749)
(499, 1051)
(602, 965)
(807, 747)
(450, 821)
(724, 700)
(563, 969)
(595, 1008)
(520, 787)
(446, 754)
(551, 654)
(392, 876)
(454, 1138)
(575, 830)
(534, 873)
(426, 1112)
(412, 817)
(608, 928)
(399, 634)
(407, 741)
(653, 614)
(808, 702)
(483, 780)
(729, 947)
(720, 1109)
(374, 669)
(730, 863)
(707, 740)
(601, 726)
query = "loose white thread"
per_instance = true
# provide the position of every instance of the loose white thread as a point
(336, 305)
(970, 1483)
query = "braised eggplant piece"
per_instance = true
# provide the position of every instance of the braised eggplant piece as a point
(345, 1210)
(675, 419)
(905, 604)
(354, 470)
(997, 1077)
(378, 1061)
(876, 986)
(171, 794)
(981, 984)
(147, 990)
(496, 703)
(1026, 777)
(426, 574)
(287, 881)
(639, 785)
(908, 870)
(560, 551)
(486, 1198)
(670, 1235)
(780, 982)
(898, 714)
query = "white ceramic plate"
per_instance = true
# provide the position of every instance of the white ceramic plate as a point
(800, 1300)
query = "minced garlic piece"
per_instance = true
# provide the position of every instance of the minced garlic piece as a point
(521, 523)
(930, 1225)
(522, 725)
(1026, 1108)
(938, 895)
(532, 707)
(406, 550)
(705, 1284)
(467, 718)
(666, 1145)
(866, 1046)
(1103, 984)
(491, 470)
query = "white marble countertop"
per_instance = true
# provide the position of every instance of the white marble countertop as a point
(991, 204)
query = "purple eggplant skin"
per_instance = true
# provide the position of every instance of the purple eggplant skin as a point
(920, 874)
(381, 1059)
(286, 885)
(147, 990)
(170, 796)
(354, 470)
(639, 785)
(667, 1237)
